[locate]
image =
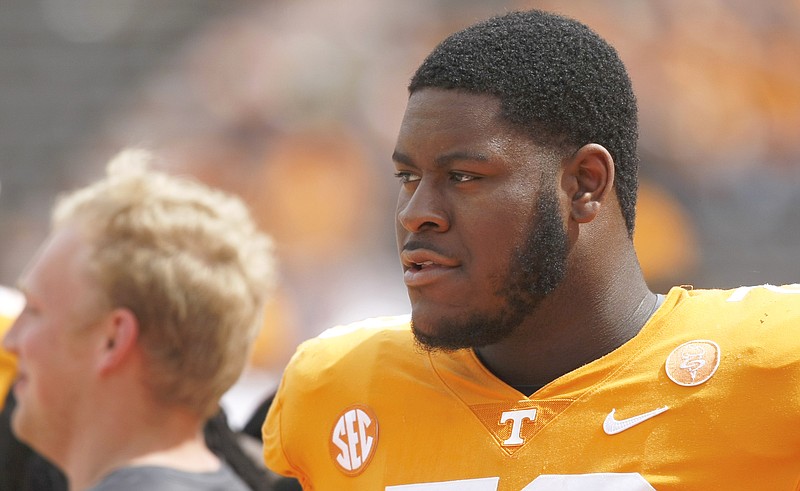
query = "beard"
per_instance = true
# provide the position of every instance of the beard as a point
(536, 268)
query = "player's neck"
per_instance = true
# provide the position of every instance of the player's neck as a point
(575, 325)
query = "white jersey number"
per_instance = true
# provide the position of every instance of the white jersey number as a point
(741, 292)
(575, 482)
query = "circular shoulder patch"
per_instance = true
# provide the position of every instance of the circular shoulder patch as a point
(693, 362)
(354, 439)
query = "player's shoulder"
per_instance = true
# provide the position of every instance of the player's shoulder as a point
(762, 320)
(392, 327)
(771, 299)
(781, 295)
(357, 343)
(351, 359)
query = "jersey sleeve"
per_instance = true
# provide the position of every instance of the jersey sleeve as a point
(275, 434)
(323, 378)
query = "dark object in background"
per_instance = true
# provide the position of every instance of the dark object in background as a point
(253, 429)
(22, 469)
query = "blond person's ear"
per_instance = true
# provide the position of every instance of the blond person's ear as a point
(120, 332)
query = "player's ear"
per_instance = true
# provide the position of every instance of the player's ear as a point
(120, 331)
(588, 178)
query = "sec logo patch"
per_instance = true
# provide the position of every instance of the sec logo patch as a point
(354, 438)
(693, 362)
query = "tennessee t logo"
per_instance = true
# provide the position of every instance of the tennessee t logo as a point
(517, 417)
(514, 424)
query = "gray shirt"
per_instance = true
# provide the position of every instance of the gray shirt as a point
(166, 479)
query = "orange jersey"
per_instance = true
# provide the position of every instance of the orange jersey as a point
(705, 397)
(11, 302)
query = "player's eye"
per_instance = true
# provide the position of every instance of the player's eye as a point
(459, 177)
(405, 177)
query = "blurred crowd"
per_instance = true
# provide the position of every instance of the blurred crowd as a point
(294, 104)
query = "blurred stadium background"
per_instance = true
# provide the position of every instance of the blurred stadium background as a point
(294, 104)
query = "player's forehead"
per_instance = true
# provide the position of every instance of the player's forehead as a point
(442, 125)
(445, 121)
(435, 106)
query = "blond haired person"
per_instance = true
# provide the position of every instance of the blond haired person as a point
(141, 308)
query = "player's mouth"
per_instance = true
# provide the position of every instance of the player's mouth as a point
(423, 266)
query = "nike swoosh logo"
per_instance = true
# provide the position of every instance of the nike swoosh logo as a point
(613, 426)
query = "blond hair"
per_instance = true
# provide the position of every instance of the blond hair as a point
(188, 261)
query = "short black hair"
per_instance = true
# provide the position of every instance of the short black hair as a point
(557, 80)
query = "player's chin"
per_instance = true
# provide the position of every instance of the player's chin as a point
(437, 335)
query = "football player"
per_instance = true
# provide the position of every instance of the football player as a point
(536, 357)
